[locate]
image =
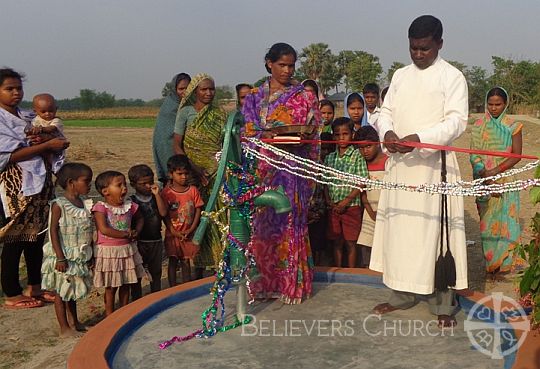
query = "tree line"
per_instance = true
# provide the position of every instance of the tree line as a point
(352, 69)
(92, 99)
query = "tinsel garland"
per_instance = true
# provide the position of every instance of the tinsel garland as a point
(242, 199)
(308, 169)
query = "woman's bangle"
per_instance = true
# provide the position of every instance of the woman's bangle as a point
(61, 260)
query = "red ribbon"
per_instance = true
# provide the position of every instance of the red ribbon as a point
(418, 145)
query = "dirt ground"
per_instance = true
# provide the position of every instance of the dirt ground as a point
(29, 337)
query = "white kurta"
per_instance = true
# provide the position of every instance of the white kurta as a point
(432, 103)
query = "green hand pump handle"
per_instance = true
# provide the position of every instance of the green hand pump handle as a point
(238, 226)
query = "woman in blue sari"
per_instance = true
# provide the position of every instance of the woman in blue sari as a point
(162, 143)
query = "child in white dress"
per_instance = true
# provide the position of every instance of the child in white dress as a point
(67, 255)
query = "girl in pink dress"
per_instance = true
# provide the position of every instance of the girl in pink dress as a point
(118, 262)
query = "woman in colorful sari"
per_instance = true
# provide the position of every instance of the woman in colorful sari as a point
(281, 241)
(162, 143)
(499, 214)
(198, 134)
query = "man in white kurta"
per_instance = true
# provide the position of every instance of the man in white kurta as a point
(426, 102)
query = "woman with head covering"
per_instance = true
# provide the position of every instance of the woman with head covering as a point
(242, 90)
(281, 241)
(313, 87)
(499, 214)
(162, 143)
(198, 134)
(354, 107)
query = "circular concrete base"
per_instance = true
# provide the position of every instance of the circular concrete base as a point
(333, 329)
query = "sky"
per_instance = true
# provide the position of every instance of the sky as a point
(131, 48)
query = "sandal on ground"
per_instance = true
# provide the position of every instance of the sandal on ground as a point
(45, 296)
(23, 303)
(446, 321)
(384, 308)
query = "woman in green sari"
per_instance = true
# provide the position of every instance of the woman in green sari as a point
(198, 134)
(499, 214)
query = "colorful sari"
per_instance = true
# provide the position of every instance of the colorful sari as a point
(162, 142)
(26, 187)
(281, 241)
(499, 216)
(202, 141)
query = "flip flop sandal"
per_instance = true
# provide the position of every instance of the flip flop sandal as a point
(45, 296)
(23, 304)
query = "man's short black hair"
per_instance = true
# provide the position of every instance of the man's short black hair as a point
(371, 87)
(426, 26)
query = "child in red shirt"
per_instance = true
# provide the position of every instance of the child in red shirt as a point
(184, 205)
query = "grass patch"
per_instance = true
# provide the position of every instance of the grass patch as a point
(112, 123)
(111, 113)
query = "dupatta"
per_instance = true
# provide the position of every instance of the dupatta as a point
(493, 134)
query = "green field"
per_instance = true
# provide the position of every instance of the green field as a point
(150, 122)
(112, 123)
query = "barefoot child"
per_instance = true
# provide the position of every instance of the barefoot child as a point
(184, 205)
(67, 255)
(46, 124)
(345, 217)
(118, 262)
(46, 121)
(376, 161)
(153, 210)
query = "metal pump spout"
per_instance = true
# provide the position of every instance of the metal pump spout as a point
(275, 199)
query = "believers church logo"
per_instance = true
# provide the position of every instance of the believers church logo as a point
(492, 331)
